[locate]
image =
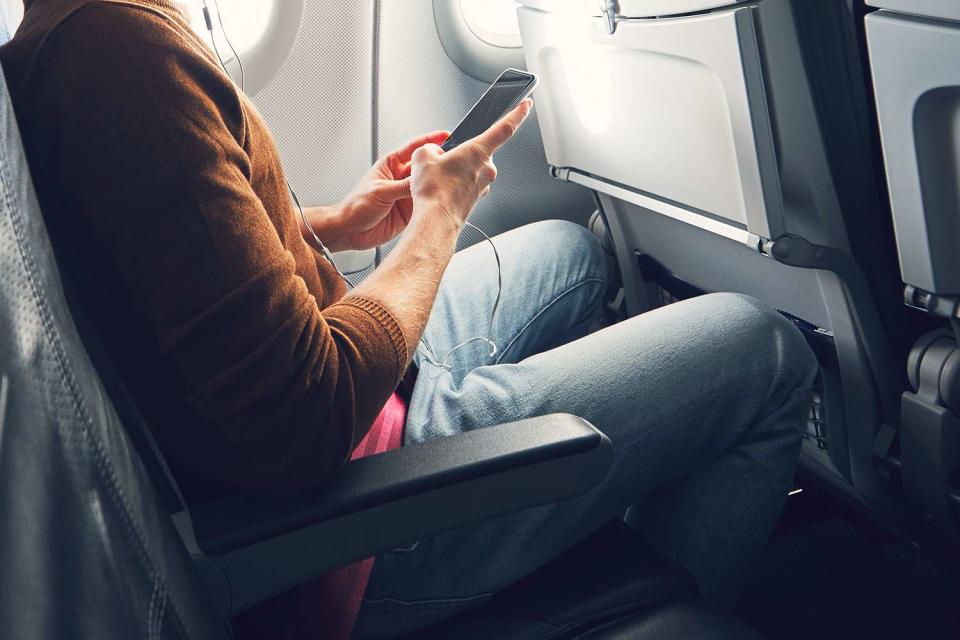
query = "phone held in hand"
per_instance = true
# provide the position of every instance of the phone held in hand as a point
(503, 95)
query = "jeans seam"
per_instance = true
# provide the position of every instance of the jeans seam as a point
(543, 310)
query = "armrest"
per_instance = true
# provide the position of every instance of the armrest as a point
(248, 550)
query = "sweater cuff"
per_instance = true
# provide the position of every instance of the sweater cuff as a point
(386, 320)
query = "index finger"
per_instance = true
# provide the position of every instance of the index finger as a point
(495, 137)
(404, 153)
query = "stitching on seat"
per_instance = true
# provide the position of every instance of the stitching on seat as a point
(4, 390)
(153, 601)
(102, 463)
(161, 603)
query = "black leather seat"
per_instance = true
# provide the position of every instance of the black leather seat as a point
(611, 585)
(685, 620)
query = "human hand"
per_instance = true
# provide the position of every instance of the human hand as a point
(452, 182)
(379, 207)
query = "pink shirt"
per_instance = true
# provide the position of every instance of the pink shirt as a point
(329, 605)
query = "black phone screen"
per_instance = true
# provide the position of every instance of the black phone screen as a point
(509, 89)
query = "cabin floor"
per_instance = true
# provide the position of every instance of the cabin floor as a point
(827, 574)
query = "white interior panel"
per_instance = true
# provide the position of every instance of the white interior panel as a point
(11, 13)
(672, 107)
(319, 104)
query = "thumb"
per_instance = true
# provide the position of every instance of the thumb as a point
(394, 189)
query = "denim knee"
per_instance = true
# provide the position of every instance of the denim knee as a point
(568, 244)
(774, 336)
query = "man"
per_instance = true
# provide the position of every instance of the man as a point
(258, 372)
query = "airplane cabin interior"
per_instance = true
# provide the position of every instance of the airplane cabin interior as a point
(802, 153)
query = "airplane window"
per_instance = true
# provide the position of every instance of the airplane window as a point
(493, 21)
(482, 37)
(11, 13)
(262, 32)
(246, 21)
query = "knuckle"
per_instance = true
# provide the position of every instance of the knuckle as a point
(422, 155)
(479, 151)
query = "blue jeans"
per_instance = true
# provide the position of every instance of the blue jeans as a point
(703, 401)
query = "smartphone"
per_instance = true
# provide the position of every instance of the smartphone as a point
(503, 95)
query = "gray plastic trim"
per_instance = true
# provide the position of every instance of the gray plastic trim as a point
(947, 9)
(917, 80)
(672, 211)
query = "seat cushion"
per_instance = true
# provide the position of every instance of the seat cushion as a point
(612, 574)
(681, 620)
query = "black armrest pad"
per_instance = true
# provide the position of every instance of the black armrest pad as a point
(267, 546)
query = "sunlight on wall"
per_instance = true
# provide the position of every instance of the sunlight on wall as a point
(587, 67)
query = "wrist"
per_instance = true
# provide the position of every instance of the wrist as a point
(432, 230)
(431, 236)
(327, 224)
(438, 216)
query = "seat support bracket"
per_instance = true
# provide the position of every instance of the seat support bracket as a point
(930, 430)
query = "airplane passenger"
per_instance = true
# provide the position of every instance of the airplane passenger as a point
(259, 371)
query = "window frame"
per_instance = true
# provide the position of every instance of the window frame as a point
(474, 55)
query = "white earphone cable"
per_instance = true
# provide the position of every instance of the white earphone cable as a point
(429, 354)
(208, 20)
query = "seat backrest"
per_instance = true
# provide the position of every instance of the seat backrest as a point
(87, 551)
(719, 138)
(918, 104)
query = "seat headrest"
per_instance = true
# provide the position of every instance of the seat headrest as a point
(88, 551)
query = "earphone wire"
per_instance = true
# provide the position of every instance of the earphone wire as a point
(303, 216)
(431, 357)
(213, 40)
(322, 248)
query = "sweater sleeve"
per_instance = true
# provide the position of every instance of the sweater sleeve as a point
(155, 149)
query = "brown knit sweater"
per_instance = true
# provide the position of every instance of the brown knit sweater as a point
(234, 337)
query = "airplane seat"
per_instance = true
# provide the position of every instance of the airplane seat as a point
(88, 550)
(97, 542)
(914, 46)
(724, 141)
